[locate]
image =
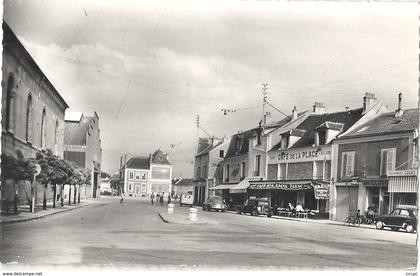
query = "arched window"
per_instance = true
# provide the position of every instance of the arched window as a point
(43, 123)
(29, 119)
(56, 138)
(10, 104)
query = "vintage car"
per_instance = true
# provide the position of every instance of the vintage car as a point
(256, 206)
(186, 199)
(400, 218)
(214, 203)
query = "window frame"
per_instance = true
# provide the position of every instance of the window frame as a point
(257, 165)
(345, 154)
(130, 175)
(393, 161)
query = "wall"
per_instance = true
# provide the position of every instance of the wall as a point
(235, 163)
(368, 155)
(29, 81)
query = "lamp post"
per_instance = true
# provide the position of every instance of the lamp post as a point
(37, 172)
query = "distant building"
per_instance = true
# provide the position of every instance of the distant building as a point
(82, 145)
(182, 186)
(143, 175)
(32, 111)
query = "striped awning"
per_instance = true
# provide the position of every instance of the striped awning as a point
(222, 187)
(402, 184)
(242, 186)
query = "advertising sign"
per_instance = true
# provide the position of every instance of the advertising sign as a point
(301, 155)
(321, 192)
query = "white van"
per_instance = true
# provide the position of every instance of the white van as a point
(186, 199)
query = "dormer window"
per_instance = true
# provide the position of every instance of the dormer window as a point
(238, 145)
(284, 142)
(321, 135)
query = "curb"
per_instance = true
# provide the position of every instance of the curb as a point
(42, 216)
(163, 219)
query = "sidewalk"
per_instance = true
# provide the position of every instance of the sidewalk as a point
(321, 221)
(25, 215)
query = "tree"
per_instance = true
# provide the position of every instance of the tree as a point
(105, 175)
(16, 169)
(54, 171)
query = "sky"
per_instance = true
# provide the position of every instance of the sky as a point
(148, 68)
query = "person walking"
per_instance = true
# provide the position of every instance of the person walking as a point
(161, 198)
(169, 198)
(152, 197)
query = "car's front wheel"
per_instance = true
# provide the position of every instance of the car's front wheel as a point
(268, 215)
(409, 228)
(379, 225)
(254, 213)
(238, 211)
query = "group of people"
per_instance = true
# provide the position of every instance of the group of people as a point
(160, 198)
(294, 209)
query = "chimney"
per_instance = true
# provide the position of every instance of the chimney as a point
(294, 113)
(369, 100)
(319, 108)
(399, 112)
(121, 160)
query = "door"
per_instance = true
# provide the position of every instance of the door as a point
(137, 190)
(346, 202)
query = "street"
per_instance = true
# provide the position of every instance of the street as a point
(132, 234)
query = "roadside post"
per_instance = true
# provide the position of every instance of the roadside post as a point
(37, 172)
(170, 208)
(193, 214)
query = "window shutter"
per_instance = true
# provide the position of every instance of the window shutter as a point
(384, 162)
(344, 165)
(351, 164)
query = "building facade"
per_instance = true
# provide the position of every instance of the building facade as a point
(182, 186)
(208, 168)
(82, 145)
(32, 109)
(376, 165)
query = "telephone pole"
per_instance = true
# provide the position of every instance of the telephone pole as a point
(264, 93)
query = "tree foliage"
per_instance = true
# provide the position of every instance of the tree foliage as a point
(16, 169)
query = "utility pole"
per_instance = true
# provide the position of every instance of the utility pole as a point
(197, 122)
(264, 93)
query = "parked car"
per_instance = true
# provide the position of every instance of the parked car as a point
(214, 203)
(400, 218)
(256, 206)
(186, 199)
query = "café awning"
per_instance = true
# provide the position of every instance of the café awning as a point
(242, 186)
(285, 185)
(222, 187)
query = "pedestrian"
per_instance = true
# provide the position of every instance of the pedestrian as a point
(122, 199)
(161, 198)
(152, 197)
(169, 198)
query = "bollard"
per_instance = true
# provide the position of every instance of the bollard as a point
(170, 208)
(193, 214)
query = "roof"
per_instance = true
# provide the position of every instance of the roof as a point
(386, 123)
(138, 162)
(243, 137)
(210, 148)
(184, 182)
(330, 125)
(72, 116)
(313, 121)
(75, 131)
(11, 41)
(158, 157)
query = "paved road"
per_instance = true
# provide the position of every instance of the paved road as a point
(132, 234)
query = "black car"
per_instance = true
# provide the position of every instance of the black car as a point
(214, 203)
(400, 218)
(255, 207)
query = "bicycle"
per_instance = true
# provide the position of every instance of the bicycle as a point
(353, 220)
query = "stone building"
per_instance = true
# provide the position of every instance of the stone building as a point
(82, 145)
(32, 109)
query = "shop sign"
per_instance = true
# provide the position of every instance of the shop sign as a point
(309, 154)
(402, 173)
(322, 192)
(280, 186)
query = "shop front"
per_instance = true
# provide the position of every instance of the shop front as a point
(282, 192)
(402, 188)
(376, 196)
